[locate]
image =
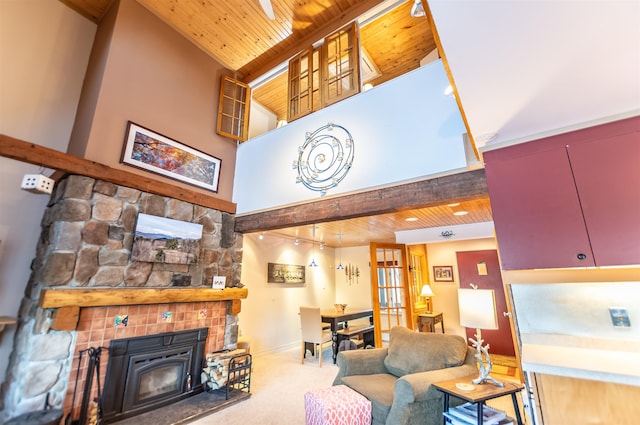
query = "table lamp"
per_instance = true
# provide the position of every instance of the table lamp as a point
(478, 310)
(427, 293)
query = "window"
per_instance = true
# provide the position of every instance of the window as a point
(324, 75)
(233, 109)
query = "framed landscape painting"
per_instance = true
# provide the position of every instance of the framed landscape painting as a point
(164, 240)
(151, 151)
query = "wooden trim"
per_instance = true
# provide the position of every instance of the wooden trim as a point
(460, 187)
(56, 298)
(285, 50)
(445, 62)
(31, 153)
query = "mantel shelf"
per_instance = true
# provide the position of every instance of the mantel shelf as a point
(56, 298)
(5, 320)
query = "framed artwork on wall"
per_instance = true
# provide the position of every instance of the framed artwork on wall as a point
(164, 240)
(285, 273)
(443, 273)
(151, 151)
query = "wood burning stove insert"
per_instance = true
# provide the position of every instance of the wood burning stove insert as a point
(144, 373)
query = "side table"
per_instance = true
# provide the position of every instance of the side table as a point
(479, 395)
(429, 321)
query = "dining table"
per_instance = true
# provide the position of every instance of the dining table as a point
(336, 318)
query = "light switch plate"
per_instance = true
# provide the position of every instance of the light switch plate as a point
(620, 317)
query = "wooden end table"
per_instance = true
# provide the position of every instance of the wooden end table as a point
(480, 394)
(429, 321)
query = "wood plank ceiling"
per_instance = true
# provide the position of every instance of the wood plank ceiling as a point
(239, 35)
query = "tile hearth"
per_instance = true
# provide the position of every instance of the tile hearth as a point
(187, 410)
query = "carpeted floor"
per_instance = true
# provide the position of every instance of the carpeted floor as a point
(279, 382)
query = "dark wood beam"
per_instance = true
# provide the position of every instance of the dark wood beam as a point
(292, 45)
(31, 153)
(426, 193)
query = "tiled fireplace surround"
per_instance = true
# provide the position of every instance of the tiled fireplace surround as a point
(87, 234)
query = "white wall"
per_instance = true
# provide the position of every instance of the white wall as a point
(403, 130)
(44, 51)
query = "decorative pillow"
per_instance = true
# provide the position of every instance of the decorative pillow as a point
(411, 352)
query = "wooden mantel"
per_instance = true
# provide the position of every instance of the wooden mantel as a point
(31, 153)
(57, 298)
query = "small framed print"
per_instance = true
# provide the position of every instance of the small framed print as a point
(219, 282)
(443, 273)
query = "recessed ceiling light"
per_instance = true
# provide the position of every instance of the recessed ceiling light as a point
(411, 219)
(461, 212)
(453, 205)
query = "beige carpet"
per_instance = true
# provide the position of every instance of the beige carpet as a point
(279, 382)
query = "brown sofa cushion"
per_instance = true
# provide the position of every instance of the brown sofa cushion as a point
(411, 352)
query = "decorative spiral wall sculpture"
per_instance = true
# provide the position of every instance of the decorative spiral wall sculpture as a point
(325, 158)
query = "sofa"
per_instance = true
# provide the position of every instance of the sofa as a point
(397, 379)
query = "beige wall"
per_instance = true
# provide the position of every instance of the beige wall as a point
(269, 316)
(143, 71)
(44, 50)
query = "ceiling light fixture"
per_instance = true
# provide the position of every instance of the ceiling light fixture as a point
(313, 248)
(410, 219)
(296, 242)
(261, 237)
(417, 10)
(340, 266)
(458, 209)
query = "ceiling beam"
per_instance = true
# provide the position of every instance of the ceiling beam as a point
(293, 44)
(68, 164)
(459, 187)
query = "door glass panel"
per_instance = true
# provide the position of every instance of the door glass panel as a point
(391, 288)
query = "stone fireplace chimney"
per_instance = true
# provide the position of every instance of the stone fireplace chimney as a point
(85, 249)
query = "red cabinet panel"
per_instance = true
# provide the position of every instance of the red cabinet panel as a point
(536, 211)
(607, 175)
(567, 197)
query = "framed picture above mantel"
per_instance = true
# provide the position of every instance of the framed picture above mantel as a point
(151, 151)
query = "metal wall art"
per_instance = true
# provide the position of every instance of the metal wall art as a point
(325, 158)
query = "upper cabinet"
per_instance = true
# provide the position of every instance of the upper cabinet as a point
(570, 200)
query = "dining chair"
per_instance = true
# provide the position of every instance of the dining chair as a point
(312, 331)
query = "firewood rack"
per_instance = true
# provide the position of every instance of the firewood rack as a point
(239, 377)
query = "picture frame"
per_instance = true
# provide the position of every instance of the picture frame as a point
(151, 151)
(443, 273)
(165, 240)
(285, 273)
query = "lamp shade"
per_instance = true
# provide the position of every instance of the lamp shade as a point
(477, 308)
(426, 291)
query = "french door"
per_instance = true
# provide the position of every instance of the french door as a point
(389, 289)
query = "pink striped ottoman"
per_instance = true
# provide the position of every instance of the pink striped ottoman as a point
(338, 405)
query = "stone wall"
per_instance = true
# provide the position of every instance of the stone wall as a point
(86, 240)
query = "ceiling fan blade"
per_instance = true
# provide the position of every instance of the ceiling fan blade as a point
(268, 9)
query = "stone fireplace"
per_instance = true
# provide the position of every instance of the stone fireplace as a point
(84, 290)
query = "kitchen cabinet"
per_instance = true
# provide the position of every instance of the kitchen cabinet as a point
(570, 200)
